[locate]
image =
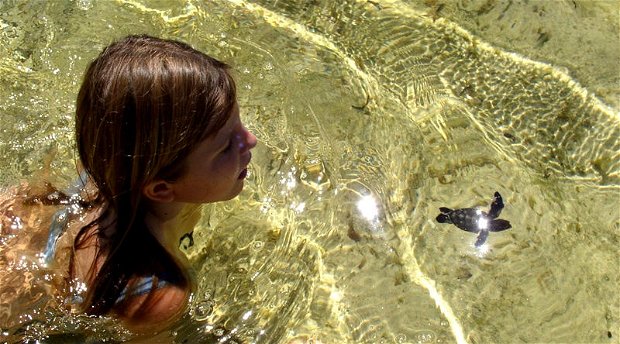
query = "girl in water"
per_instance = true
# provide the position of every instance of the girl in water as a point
(158, 132)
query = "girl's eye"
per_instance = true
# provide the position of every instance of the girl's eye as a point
(228, 146)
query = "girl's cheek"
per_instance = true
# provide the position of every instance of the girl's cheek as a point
(225, 160)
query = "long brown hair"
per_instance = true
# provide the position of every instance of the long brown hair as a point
(143, 106)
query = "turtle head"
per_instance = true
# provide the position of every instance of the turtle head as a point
(443, 218)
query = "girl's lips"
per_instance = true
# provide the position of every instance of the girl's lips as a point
(243, 173)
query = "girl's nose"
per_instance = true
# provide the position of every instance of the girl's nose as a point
(249, 140)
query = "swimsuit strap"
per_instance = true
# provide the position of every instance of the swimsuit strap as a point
(144, 285)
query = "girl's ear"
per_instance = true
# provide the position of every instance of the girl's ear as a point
(159, 190)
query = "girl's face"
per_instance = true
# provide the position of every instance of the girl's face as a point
(216, 168)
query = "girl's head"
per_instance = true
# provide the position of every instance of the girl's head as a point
(144, 105)
(156, 121)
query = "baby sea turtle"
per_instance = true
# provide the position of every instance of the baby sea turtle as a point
(475, 220)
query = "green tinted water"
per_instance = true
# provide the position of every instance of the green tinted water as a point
(370, 117)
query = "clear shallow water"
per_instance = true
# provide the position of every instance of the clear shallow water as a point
(370, 117)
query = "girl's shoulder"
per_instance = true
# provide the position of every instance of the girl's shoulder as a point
(147, 303)
(151, 304)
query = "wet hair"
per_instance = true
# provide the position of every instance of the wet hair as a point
(144, 105)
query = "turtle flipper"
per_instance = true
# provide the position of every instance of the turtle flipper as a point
(482, 238)
(499, 225)
(496, 206)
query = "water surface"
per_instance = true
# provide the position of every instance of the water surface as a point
(370, 116)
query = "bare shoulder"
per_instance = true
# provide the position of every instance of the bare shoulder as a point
(83, 255)
(154, 311)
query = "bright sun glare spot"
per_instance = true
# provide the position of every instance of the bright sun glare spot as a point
(246, 315)
(483, 223)
(266, 205)
(288, 180)
(299, 207)
(291, 183)
(482, 250)
(367, 206)
(336, 295)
